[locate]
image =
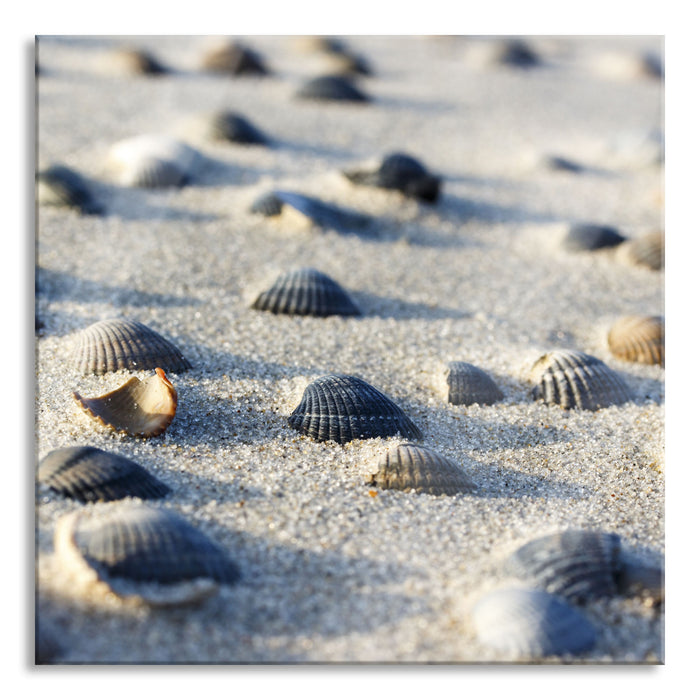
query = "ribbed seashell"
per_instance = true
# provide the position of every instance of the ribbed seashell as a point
(646, 251)
(639, 339)
(62, 187)
(521, 623)
(401, 172)
(343, 408)
(467, 384)
(137, 408)
(119, 343)
(582, 564)
(153, 160)
(142, 553)
(90, 474)
(591, 237)
(132, 61)
(331, 88)
(410, 467)
(572, 379)
(306, 292)
(227, 126)
(232, 58)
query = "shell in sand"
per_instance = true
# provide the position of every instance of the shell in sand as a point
(639, 339)
(331, 88)
(468, 384)
(60, 186)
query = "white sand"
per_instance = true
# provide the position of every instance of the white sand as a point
(331, 572)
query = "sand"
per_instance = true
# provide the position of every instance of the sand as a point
(335, 571)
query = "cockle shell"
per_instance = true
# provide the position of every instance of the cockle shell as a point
(90, 474)
(582, 237)
(645, 251)
(232, 58)
(306, 292)
(343, 408)
(331, 88)
(139, 409)
(401, 172)
(142, 553)
(639, 339)
(226, 126)
(520, 622)
(119, 343)
(573, 379)
(582, 564)
(411, 467)
(133, 61)
(62, 187)
(467, 384)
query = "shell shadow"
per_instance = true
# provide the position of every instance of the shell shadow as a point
(644, 389)
(392, 307)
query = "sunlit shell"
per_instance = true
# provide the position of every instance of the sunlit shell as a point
(232, 58)
(573, 379)
(331, 88)
(401, 172)
(645, 251)
(639, 339)
(132, 61)
(118, 343)
(582, 564)
(60, 186)
(343, 408)
(410, 467)
(467, 384)
(90, 474)
(226, 126)
(306, 292)
(153, 160)
(591, 237)
(142, 553)
(522, 623)
(137, 408)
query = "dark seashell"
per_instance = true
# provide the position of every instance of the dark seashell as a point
(114, 344)
(90, 474)
(234, 59)
(47, 642)
(591, 237)
(646, 251)
(582, 564)
(516, 53)
(63, 187)
(332, 88)
(400, 172)
(639, 339)
(343, 408)
(133, 61)
(467, 384)
(229, 126)
(573, 379)
(530, 623)
(410, 467)
(563, 164)
(306, 292)
(140, 409)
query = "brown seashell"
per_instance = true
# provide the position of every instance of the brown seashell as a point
(647, 251)
(231, 58)
(639, 339)
(139, 409)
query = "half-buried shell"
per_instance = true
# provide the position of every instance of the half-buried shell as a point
(60, 186)
(137, 408)
(90, 474)
(645, 251)
(331, 88)
(588, 237)
(232, 58)
(342, 408)
(226, 126)
(467, 384)
(639, 339)
(133, 61)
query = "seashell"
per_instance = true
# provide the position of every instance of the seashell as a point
(399, 172)
(563, 164)
(639, 339)
(306, 292)
(509, 52)
(227, 126)
(346, 63)
(142, 553)
(591, 237)
(153, 160)
(232, 58)
(520, 622)
(332, 88)
(47, 642)
(646, 251)
(62, 187)
(132, 61)
(342, 408)
(90, 474)
(139, 409)
(410, 467)
(575, 380)
(467, 384)
(582, 564)
(114, 344)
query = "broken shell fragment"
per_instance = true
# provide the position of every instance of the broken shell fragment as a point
(467, 384)
(331, 88)
(60, 186)
(90, 474)
(137, 408)
(582, 237)
(639, 339)
(342, 408)
(646, 251)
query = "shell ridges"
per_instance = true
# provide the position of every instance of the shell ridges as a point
(468, 384)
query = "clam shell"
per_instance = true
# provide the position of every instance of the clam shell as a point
(467, 384)
(144, 553)
(139, 409)
(62, 187)
(582, 237)
(227, 126)
(410, 467)
(132, 61)
(332, 88)
(639, 339)
(575, 380)
(114, 344)
(646, 251)
(232, 58)
(343, 408)
(515, 53)
(306, 292)
(530, 623)
(90, 474)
